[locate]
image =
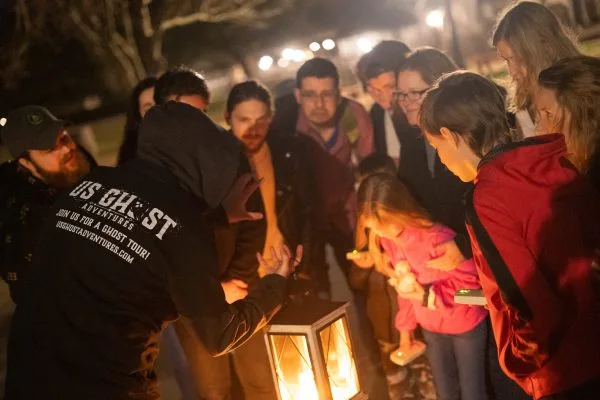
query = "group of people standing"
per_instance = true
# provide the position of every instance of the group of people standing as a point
(448, 184)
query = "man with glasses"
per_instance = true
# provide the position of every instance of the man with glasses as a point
(377, 72)
(342, 136)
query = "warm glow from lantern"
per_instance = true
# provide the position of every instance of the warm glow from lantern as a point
(295, 376)
(310, 351)
(343, 377)
(304, 387)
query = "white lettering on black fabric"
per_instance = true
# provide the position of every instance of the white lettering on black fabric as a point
(91, 236)
(122, 208)
(106, 216)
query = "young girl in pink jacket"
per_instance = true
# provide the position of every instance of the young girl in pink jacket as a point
(405, 240)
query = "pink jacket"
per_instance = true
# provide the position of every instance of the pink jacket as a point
(417, 246)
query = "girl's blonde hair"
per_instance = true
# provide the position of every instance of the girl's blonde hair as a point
(385, 198)
(538, 40)
(576, 85)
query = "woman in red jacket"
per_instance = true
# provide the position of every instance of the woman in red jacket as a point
(535, 232)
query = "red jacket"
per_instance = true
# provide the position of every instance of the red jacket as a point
(544, 221)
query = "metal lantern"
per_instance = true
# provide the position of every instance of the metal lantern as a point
(311, 352)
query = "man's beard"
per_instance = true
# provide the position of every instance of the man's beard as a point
(65, 178)
(323, 124)
(256, 145)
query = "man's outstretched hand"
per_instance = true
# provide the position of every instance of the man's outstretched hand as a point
(282, 261)
(235, 201)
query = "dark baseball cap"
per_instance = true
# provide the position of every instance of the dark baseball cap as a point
(30, 128)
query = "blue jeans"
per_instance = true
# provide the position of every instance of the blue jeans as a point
(458, 363)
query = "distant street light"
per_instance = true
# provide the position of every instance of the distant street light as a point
(265, 63)
(314, 46)
(328, 44)
(298, 56)
(435, 19)
(2, 121)
(288, 54)
(364, 45)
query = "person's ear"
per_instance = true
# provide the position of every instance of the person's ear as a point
(450, 137)
(297, 95)
(28, 165)
(25, 163)
(228, 117)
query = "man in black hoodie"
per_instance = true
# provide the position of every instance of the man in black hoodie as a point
(127, 251)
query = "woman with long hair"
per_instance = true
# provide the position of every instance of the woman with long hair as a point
(567, 103)
(141, 100)
(533, 223)
(455, 334)
(529, 38)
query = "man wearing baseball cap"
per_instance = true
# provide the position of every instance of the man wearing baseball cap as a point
(129, 250)
(45, 161)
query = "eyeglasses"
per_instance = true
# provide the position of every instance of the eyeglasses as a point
(328, 96)
(413, 95)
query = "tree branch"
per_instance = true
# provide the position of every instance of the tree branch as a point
(86, 30)
(129, 44)
(221, 11)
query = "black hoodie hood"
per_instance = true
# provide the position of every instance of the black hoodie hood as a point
(202, 155)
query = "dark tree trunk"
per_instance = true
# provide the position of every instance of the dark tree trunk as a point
(454, 38)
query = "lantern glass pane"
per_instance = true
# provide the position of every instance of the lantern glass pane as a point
(293, 367)
(339, 360)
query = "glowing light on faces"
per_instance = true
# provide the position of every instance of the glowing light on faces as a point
(516, 68)
(550, 116)
(411, 88)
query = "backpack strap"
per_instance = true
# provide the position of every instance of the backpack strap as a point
(510, 291)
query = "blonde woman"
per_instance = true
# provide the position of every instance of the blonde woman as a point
(530, 38)
(567, 103)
